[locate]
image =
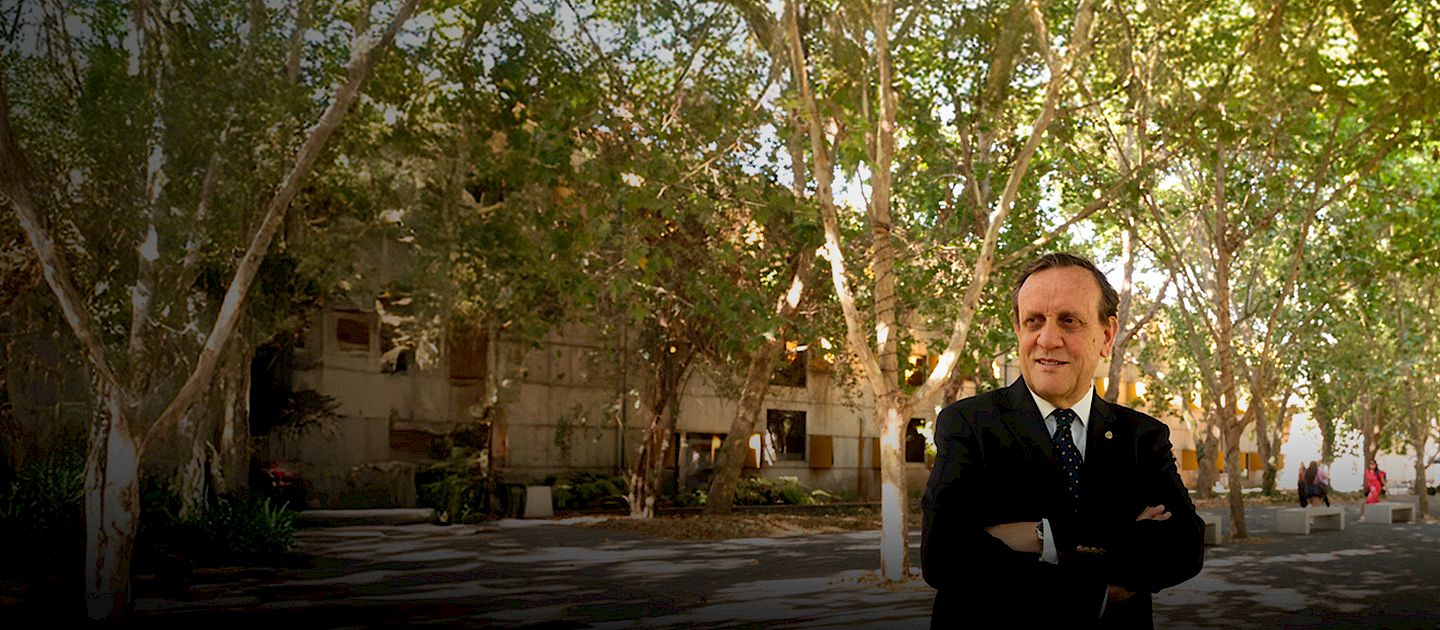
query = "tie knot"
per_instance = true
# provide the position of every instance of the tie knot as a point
(1063, 417)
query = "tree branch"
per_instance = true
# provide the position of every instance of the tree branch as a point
(362, 61)
(1079, 44)
(15, 187)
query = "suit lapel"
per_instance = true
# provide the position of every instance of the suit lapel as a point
(1097, 447)
(1028, 426)
(1024, 419)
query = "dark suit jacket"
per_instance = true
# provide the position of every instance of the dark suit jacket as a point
(996, 464)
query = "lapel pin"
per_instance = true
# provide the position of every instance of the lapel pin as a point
(1109, 435)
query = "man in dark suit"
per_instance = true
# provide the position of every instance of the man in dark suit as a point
(1046, 503)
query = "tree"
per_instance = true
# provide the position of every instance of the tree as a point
(696, 236)
(1273, 149)
(139, 74)
(843, 44)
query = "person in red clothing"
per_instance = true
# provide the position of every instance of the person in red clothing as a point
(1374, 482)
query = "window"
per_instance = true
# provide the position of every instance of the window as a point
(792, 374)
(915, 442)
(698, 450)
(695, 458)
(918, 370)
(352, 334)
(785, 435)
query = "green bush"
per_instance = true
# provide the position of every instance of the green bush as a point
(42, 516)
(765, 491)
(235, 529)
(458, 487)
(454, 491)
(694, 498)
(589, 491)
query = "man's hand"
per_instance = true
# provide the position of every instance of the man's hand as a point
(1153, 513)
(1018, 536)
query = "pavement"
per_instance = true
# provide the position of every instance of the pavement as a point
(384, 569)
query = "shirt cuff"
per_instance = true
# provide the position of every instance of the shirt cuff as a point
(1048, 552)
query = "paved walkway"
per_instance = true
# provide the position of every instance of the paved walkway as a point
(555, 574)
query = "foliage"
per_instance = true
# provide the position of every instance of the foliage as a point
(588, 491)
(767, 491)
(459, 487)
(230, 530)
(694, 498)
(41, 516)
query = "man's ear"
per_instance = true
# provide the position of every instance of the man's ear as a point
(1112, 327)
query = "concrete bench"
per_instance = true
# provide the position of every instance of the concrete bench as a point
(1302, 520)
(1213, 524)
(1390, 513)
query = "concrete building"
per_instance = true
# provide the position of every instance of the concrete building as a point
(570, 404)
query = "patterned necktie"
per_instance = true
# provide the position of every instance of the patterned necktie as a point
(1068, 452)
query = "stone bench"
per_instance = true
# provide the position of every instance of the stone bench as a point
(539, 502)
(1213, 523)
(1390, 513)
(1302, 520)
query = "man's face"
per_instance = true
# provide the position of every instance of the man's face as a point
(1061, 336)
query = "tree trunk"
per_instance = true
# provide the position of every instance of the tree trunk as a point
(1234, 471)
(230, 458)
(1127, 291)
(662, 404)
(1418, 487)
(1259, 400)
(757, 384)
(190, 482)
(732, 451)
(1230, 422)
(1369, 431)
(215, 433)
(893, 416)
(112, 506)
(1209, 451)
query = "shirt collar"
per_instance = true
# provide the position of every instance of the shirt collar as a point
(1081, 408)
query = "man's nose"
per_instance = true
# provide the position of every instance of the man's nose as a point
(1049, 336)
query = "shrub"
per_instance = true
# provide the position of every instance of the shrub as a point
(234, 529)
(764, 491)
(694, 498)
(455, 491)
(458, 487)
(588, 491)
(42, 515)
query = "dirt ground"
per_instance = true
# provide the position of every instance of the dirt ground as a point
(771, 525)
(694, 526)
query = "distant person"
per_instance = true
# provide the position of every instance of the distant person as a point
(1313, 487)
(1301, 486)
(1374, 484)
(1048, 506)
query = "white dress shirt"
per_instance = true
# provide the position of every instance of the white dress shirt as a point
(1077, 431)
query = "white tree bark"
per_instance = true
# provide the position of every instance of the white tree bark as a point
(114, 455)
(879, 365)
